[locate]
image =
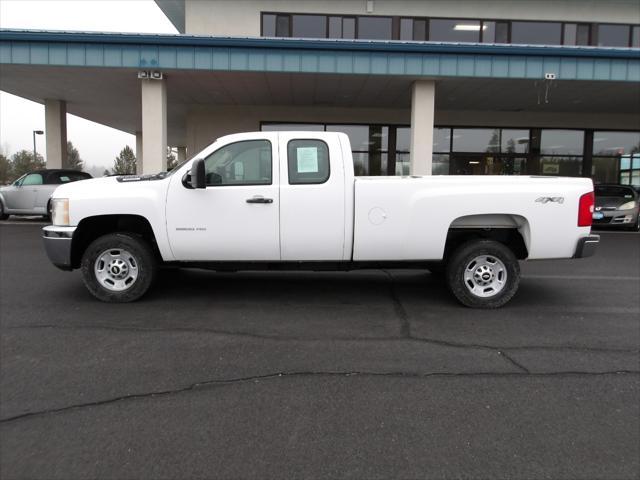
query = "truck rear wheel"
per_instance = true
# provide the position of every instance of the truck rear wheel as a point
(483, 274)
(118, 267)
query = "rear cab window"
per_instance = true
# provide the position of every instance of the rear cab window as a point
(308, 161)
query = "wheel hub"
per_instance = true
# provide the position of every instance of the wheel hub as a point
(485, 276)
(116, 269)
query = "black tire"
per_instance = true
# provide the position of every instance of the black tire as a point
(492, 254)
(138, 257)
(3, 216)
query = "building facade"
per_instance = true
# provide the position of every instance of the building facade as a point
(420, 87)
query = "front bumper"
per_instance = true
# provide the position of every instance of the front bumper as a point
(587, 246)
(57, 244)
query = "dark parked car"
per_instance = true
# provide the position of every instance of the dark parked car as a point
(616, 206)
(30, 194)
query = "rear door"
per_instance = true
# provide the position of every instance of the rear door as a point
(312, 197)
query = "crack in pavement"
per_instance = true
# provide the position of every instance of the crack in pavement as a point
(281, 338)
(269, 376)
(398, 308)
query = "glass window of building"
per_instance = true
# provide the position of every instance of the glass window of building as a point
(536, 33)
(635, 37)
(604, 170)
(615, 143)
(268, 25)
(348, 28)
(295, 127)
(562, 142)
(374, 28)
(335, 27)
(342, 27)
(358, 135)
(413, 29)
(440, 164)
(576, 34)
(495, 32)
(309, 26)
(283, 26)
(613, 35)
(514, 141)
(564, 166)
(476, 140)
(441, 30)
(441, 140)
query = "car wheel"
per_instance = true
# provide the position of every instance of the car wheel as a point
(118, 267)
(3, 216)
(636, 227)
(483, 274)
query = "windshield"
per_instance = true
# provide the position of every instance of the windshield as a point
(613, 191)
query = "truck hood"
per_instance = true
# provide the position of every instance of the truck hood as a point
(95, 185)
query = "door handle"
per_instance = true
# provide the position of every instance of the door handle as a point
(259, 199)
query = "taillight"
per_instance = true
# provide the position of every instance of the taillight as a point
(585, 210)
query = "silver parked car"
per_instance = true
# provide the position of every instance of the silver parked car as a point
(616, 206)
(30, 194)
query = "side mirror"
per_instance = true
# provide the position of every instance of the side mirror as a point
(198, 176)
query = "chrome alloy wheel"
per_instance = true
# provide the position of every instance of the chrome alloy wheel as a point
(116, 269)
(485, 276)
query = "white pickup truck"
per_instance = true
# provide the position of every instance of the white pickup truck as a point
(289, 200)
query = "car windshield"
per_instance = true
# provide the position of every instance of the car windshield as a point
(613, 191)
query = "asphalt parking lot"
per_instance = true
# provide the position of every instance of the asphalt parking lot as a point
(320, 375)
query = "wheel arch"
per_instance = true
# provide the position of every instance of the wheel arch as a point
(91, 228)
(509, 229)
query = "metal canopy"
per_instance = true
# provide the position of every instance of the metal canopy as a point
(284, 55)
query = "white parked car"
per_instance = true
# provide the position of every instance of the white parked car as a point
(284, 200)
(31, 193)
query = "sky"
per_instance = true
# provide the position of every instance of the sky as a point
(98, 144)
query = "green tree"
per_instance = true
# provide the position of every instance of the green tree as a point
(171, 160)
(125, 162)
(494, 142)
(511, 146)
(5, 170)
(74, 162)
(106, 172)
(23, 162)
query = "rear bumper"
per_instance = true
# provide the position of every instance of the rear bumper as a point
(587, 246)
(57, 244)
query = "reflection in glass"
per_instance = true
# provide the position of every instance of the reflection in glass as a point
(440, 165)
(562, 142)
(309, 26)
(374, 28)
(358, 135)
(615, 143)
(441, 140)
(296, 127)
(562, 166)
(402, 164)
(515, 141)
(476, 140)
(454, 30)
(360, 164)
(536, 33)
(348, 28)
(635, 37)
(403, 139)
(613, 35)
(420, 30)
(604, 170)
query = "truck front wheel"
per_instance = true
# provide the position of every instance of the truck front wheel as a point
(483, 274)
(118, 267)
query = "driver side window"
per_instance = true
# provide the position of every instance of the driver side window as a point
(32, 179)
(241, 163)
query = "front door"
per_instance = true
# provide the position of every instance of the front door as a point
(236, 217)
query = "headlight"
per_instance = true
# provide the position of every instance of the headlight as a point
(627, 206)
(60, 211)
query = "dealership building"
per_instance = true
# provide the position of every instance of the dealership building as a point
(421, 87)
